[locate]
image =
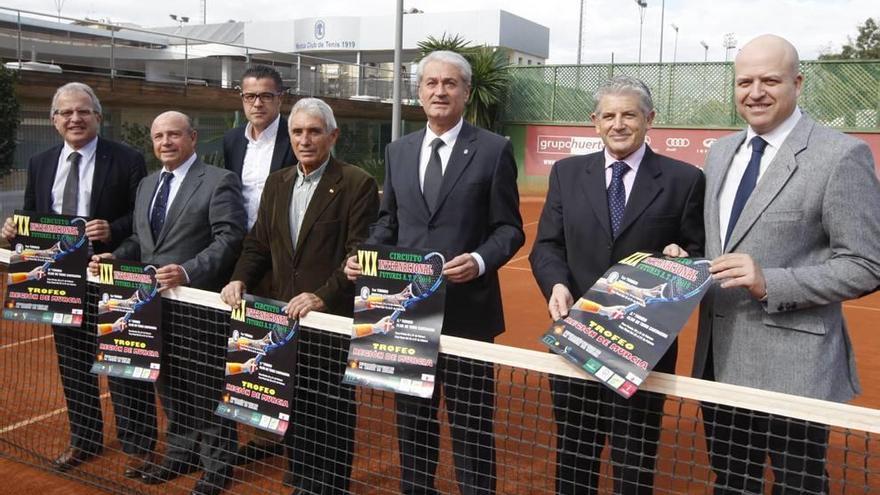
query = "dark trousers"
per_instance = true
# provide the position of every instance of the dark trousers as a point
(132, 400)
(469, 389)
(190, 385)
(324, 416)
(739, 441)
(588, 413)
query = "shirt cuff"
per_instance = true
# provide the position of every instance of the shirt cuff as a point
(480, 263)
(186, 275)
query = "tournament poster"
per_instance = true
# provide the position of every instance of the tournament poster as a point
(398, 316)
(129, 329)
(260, 365)
(46, 282)
(626, 321)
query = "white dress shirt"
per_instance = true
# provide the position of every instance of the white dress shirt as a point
(629, 178)
(740, 161)
(256, 167)
(179, 174)
(86, 175)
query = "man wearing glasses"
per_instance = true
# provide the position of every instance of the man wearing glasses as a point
(256, 149)
(92, 177)
(253, 151)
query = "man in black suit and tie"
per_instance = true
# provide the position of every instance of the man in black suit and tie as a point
(96, 178)
(261, 146)
(452, 188)
(188, 221)
(601, 208)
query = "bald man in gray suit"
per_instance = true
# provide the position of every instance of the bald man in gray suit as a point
(792, 223)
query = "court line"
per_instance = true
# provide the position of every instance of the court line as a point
(530, 224)
(23, 342)
(41, 417)
(517, 268)
(518, 258)
(858, 306)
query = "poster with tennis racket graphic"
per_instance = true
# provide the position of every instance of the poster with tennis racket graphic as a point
(398, 315)
(624, 324)
(260, 365)
(129, 329)
(46, 282)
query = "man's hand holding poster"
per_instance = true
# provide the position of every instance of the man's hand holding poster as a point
(624, 324)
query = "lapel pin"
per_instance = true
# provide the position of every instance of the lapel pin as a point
(331, 190)
(465, 151)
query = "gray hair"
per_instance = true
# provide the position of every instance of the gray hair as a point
(72, 87)
(316, 108)
(445, 56)
(626, 84)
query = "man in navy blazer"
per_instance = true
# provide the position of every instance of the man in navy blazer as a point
(452, 188)
(103, 191)
(579, 238)
(261, 146)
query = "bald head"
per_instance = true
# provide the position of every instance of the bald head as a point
(174, 140)
(767, 82)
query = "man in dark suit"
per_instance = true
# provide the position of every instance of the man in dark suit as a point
(452, 188)
(601, 208)
(189, 221)
(311, 218)
(793, 230)
(96, 178)
(262, 146)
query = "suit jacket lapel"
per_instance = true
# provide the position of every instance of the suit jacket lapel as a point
(714, 180)
(190, 184)
(282, 210)
(282, 144)
(44, 201)
(144, 201)
(646, 187)
(103, 162)
(774, 178)
(594, 190)
(238, 152)
(326, 191)
(465, 148)
(411, 150)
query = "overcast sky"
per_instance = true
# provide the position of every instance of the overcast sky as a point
(814, 26)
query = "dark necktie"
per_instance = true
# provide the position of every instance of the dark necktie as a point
(617, 195)
(746, 185)
(70, 198)
(433, 175)
(157, 216)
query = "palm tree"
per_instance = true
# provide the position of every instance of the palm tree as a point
(489, 76)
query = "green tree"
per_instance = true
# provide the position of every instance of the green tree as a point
(489, 78)
(865, 47)
(9, 108)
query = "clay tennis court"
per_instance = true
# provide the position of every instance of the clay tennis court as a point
(32, 413)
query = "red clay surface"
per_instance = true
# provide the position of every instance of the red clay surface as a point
(32, 416)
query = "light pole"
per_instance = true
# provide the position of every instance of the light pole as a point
(642, 4)
(675, 50)
(705, 51)
(662, 17)
(728, 42)
(181, 20)
(580, 31)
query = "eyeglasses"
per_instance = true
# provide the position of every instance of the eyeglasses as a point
(67, 114)
(264, 97)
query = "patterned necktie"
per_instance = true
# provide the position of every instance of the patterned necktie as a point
(433, 175)
(747, 184)
(617, 195)
(157, 216)
(70, 197)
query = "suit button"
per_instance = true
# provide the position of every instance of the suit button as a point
(780, 307)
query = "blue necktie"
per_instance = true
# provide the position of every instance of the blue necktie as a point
(617, 195)
(747, 184)
(157, 216)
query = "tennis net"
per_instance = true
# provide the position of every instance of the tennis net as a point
(504, 400)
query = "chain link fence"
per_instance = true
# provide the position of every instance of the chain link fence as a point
(842, 94)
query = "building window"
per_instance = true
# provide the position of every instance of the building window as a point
(529, 62)
(520, 61)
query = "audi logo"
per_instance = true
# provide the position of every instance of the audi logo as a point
(679, 142)
(708, 142)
